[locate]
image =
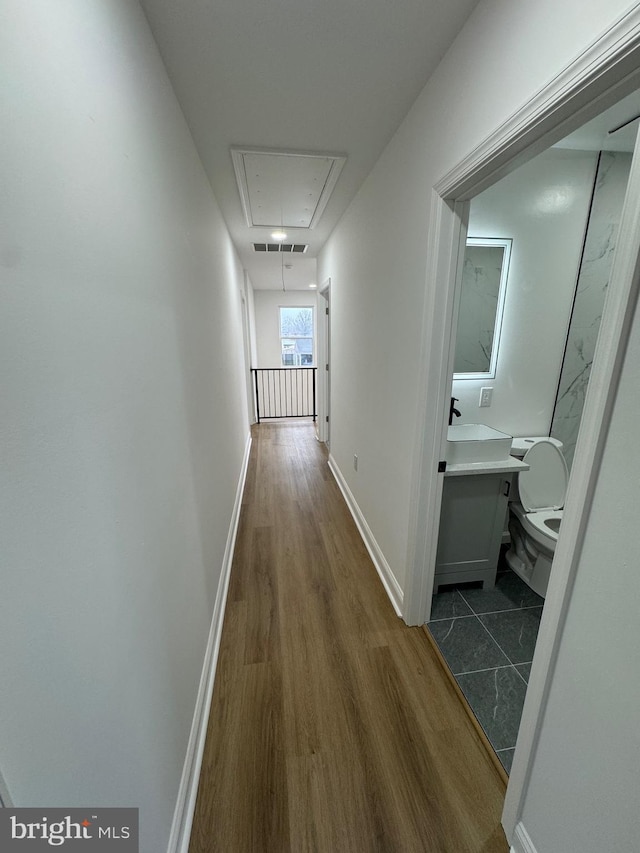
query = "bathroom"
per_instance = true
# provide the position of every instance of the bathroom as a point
(559, 216)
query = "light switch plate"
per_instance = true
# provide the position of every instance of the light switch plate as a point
(485, 397)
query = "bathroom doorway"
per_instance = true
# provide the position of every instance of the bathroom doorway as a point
(560, 215)
(564, 105)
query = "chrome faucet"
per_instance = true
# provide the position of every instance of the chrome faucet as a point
(453, 411)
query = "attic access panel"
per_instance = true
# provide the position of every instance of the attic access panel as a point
(284, 189)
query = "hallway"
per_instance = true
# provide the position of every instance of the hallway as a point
(332, 727)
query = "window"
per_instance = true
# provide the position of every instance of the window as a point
(296, 336)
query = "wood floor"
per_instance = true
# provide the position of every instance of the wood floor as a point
(332, 728)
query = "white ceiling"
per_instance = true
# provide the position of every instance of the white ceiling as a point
(332, 76)
(596, 134)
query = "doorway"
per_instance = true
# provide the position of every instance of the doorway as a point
(560, 213)
(566, 104)
(324, 363)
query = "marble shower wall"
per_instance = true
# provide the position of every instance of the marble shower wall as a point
(593, 280)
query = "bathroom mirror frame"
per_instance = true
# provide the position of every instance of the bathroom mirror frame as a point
(493, 242)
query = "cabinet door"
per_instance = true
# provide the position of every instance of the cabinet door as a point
(471, 522)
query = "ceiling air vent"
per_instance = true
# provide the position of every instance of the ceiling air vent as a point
(292, 248)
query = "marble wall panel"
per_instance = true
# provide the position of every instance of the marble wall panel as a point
(593, 280)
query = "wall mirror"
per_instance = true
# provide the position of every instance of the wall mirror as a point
(484, 284)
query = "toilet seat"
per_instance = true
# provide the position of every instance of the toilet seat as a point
(544, 486)
(536, 526)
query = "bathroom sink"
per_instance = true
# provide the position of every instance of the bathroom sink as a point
(476, 443)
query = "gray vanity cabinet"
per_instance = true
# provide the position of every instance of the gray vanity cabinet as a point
(471, 526)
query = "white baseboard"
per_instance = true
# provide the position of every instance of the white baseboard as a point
(187, 793)
(391, 585)
(521, 841)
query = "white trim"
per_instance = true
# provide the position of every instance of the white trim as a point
(391, 585)
(522, 843)
(323, 384)
(448, 228)
(609, 66)
(188, 791)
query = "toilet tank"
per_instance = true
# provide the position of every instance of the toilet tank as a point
(519, 446)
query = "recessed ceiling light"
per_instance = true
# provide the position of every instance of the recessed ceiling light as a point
(278, 235)
(313, 285)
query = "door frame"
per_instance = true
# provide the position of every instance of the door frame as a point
(604, 73)
(324, 362)
(247, 347)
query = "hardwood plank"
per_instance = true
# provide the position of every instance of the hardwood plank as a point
(332, 727)
(245, 809)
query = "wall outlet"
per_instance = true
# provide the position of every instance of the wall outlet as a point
(355, 462)
(485, 397)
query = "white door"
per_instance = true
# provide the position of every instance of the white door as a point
(324, 363)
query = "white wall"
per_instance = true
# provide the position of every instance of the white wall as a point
(123, 416)
(543, 207)
(583, 793)
(376, 256)
(267, 304)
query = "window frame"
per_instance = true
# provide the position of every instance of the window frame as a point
(311, 337)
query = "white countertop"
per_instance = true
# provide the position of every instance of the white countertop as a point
(510, 465)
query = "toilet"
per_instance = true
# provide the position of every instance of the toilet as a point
(535, 512)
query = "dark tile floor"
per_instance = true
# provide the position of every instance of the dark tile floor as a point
(487, 638)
